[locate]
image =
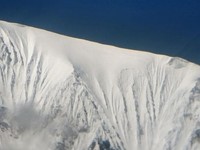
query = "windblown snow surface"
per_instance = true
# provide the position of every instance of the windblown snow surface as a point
(62, 93)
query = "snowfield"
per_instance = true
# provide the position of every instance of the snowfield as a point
(62, 93)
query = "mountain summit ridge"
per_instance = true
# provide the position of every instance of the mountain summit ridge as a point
(58, 93)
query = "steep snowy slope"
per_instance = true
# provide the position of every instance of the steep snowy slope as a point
(60, 93)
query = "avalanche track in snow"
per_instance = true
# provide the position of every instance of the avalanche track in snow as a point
(60, 93)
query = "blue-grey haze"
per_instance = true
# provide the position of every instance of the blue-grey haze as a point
(169, 27)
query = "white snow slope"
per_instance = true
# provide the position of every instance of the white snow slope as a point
(60, 93)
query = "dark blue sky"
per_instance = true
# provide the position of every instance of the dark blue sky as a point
(169, 27)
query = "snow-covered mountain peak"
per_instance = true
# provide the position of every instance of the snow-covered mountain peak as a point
(58, 93)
